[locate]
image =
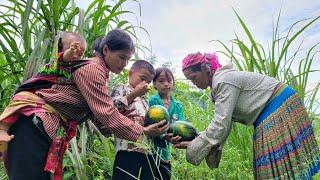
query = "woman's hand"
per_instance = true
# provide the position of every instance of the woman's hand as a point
(4, 139)
(156, 129)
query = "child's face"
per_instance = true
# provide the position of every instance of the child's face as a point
(164, 83)
(138, 76)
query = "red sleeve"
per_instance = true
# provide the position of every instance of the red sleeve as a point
(60, 56)
(11, 119)
(92, 81)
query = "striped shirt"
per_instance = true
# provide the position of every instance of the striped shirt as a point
(87, 97)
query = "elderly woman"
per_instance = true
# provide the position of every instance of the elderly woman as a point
(284, 142)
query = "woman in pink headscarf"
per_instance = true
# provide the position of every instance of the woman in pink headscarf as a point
(284, 142)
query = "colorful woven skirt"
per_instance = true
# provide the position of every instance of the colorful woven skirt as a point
(284, 143)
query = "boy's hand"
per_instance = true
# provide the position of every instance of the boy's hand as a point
(156, 129)
(141, 89)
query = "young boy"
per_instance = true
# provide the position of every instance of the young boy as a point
(134, 160)
(71, 47)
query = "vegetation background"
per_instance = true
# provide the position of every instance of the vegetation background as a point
(28, 31)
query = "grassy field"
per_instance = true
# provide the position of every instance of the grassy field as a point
(28, 39)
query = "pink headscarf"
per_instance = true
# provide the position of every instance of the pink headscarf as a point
(198, 58)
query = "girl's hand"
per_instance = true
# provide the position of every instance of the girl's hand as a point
(169, 137)
(156, 129)
(175, 139)
(181, 145)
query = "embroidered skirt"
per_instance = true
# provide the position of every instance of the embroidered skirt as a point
(284, 143)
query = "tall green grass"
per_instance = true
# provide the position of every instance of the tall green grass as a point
(278, 62)
(28, 35)
(28, 32)
(29, 29)
(236, 162)
(278, 59)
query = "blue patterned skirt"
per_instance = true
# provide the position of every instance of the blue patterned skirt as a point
(284, 143)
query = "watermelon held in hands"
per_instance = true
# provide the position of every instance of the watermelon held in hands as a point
(155, 114)
(183, 129)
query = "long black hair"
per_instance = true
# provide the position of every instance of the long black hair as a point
(166, 71)
(115, 40)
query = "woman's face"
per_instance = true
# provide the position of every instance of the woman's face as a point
(199, 78)
(116, 60)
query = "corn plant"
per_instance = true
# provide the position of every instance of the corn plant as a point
(278, 61)
(29, 29)
(28, 35)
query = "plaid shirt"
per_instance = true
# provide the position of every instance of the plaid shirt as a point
(87, 97)
(135, 111)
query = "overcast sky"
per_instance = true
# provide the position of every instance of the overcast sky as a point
(179, 27)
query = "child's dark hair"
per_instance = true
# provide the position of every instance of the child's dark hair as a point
(166, 71)
(115, 40)
(143, 64)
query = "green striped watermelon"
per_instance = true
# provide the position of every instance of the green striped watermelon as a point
(183, 129)
(155, 114)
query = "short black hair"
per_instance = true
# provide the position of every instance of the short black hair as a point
(167, 72)
(115, 40)
(143, 64)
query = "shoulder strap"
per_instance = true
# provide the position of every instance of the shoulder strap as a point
(45, 79)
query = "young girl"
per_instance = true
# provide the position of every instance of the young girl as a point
(163, 82)
(284, 143)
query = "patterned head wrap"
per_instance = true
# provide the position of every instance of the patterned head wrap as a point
(198, 58)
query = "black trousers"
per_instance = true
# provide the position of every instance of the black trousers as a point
(165, 170)
(28, 151)
(127, 166)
